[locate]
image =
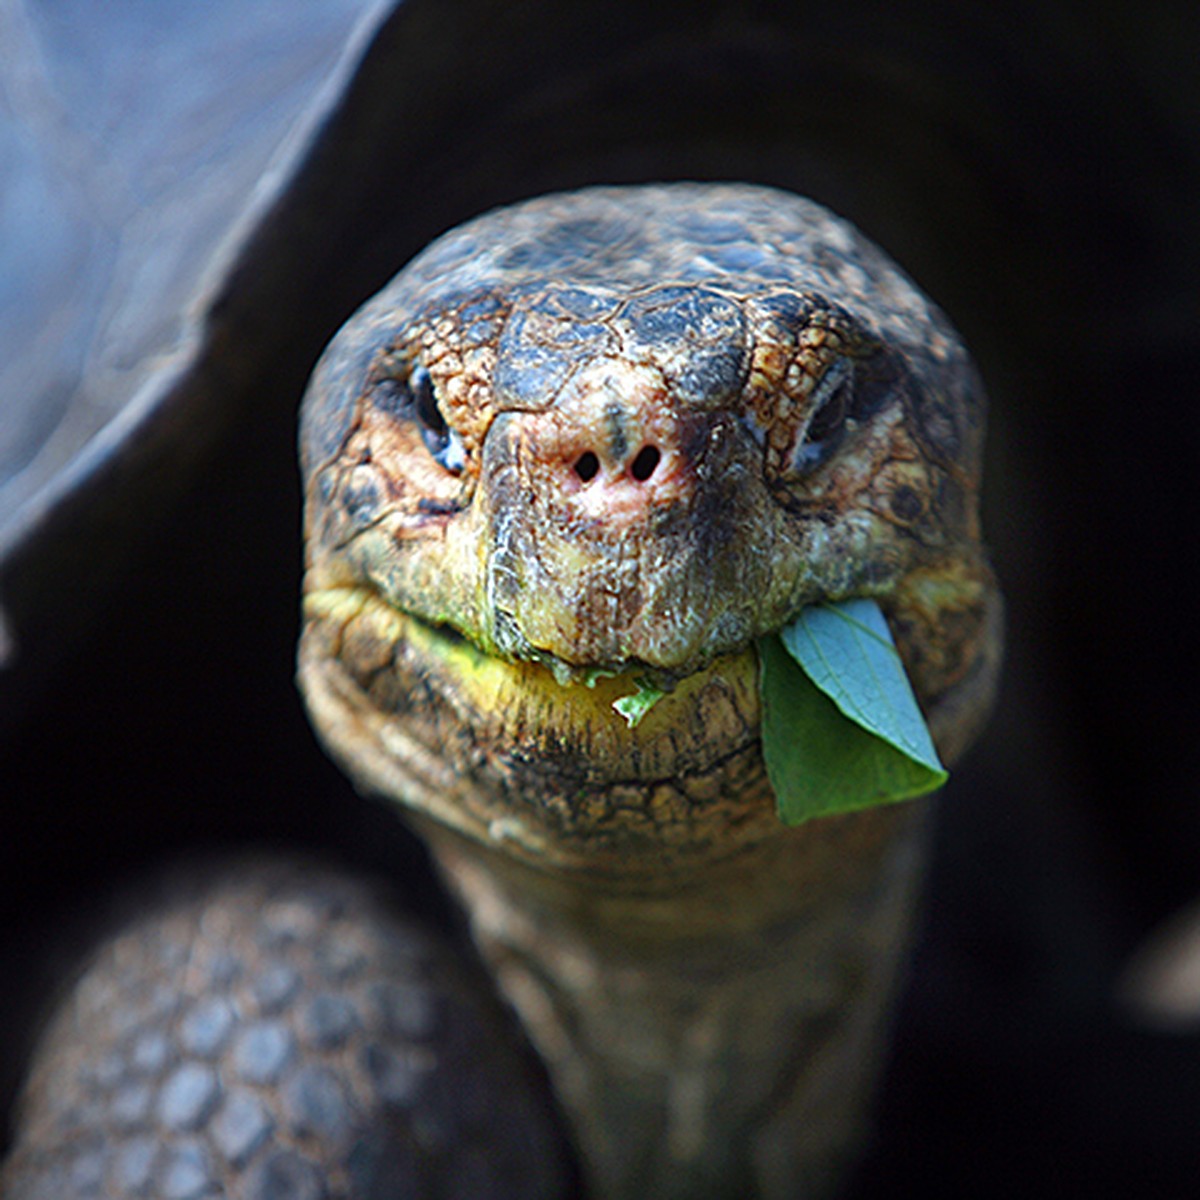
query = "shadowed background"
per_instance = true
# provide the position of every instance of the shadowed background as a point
(1034, 166)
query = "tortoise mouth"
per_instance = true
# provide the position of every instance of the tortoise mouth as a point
(505, 753)
(548, 772)
(629, 674)
(543, 696)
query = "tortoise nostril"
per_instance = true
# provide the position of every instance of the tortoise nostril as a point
(587, 466)
(645, 464)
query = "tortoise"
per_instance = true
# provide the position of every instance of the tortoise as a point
(416, 128)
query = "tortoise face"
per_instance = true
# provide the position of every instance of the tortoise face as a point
(602, 475)
(632, 431)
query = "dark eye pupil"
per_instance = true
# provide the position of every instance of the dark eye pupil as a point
(833, 399)
(435, 431)
(830, 417)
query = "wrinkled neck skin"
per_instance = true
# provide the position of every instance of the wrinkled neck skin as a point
(628, 478)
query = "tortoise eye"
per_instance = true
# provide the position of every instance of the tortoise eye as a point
(417, 401)
(832, 400)
(433, 425)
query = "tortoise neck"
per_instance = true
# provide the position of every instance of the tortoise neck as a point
(721, 1041)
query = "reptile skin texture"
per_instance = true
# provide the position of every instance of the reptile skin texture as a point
(272, 1032)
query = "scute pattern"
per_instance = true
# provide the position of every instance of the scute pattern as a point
(275, 1032)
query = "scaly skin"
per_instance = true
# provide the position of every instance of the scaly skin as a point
(267, 1027)
(624, 433)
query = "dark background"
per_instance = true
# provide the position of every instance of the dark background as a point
(1035, 167)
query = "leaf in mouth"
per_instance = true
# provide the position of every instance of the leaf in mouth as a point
(841, 726)
(634, 708)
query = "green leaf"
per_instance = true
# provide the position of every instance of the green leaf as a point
(841, 726)
(634, 708)
(593, 675)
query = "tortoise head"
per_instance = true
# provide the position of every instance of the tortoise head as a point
(623, 434)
